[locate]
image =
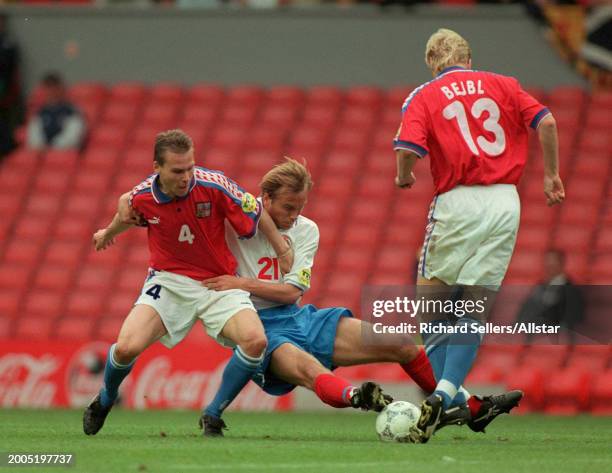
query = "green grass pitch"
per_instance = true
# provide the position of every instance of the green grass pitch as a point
(169, 441)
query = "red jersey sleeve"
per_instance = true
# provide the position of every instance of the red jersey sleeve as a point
(241, 208)
(143, 188)
(412, 133)
(531, 110)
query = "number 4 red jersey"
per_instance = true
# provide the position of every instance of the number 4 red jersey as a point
(472, 124)
(187, 235)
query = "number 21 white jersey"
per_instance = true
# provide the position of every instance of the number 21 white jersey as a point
(257, 259)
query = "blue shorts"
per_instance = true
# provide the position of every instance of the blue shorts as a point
(308, 328)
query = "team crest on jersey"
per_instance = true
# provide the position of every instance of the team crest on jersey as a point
(304, 277)
(249, 203)
(203, 209)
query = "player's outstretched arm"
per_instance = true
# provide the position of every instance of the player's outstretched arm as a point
(282, 293)
(281, 246)
(406, 160)
(553, 186)
(105, 237)
(123, 219)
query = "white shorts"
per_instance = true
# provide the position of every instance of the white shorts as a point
(180, 301)
(470, 235)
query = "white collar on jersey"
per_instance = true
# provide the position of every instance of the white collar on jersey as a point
(451, 68)
(162, 198)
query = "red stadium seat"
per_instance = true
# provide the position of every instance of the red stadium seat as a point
(324, 95)
(6, 324)
(49, 181)
(546, 356)
(320, 116)
(121, 301)
(533, 238)
(74, 329)
(268, 139)
(33, 328)
(108, 328)
(112, 136)
(246, 95)
(278, 117)
(85, 303)
(221, 158)
(359, 118)
(601, 100)
(230, 138)
(209, 95)
(34, 230)
(94, 277)
(285, 96)
(10, 301)
(54, 277)
(571, 238)
(44, 303)
(65, 252)
(354, 260)
(396, 96)
(591, 358)
(531, 381)
(166, 93)
(396, 259)
(70, 229)
(59, 158)
(118, 114)
(567, 391)
(364, 96)
(162, 116)
(128, 92)
(87, 92)
(202, 116)
(601, 394)
(22, 251)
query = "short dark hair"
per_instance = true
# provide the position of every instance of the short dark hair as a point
(53, 79)
(176, 141)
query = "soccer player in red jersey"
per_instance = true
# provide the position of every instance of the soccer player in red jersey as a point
(186, 208)
(473, 125)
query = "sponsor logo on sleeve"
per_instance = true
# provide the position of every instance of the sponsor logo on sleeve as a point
(249, 203)
(304, 277)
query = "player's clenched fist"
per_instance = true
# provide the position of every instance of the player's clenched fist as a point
(554, 191)
(102, 239)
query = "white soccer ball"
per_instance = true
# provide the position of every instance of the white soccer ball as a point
(393, 424)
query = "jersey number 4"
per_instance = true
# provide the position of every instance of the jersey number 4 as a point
(270, 269)
(492, 148)
(186, 235)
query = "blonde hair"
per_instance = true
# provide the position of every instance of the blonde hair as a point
(290, 174)
(446, 48)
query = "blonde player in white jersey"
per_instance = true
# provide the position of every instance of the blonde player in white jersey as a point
(305, 343)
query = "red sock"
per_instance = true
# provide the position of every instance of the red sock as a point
(421, 371)
(333, 390)
(474, 404)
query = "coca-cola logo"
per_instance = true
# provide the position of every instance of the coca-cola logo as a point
(85, 373)
(159, 385)
(24, 380)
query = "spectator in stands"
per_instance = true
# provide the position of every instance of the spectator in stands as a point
(555, 301)
(10, 90)
(58, 123)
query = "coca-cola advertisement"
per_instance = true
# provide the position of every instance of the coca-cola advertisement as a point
(69, 374)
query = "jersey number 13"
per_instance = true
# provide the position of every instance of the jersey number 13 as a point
(456, 110)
